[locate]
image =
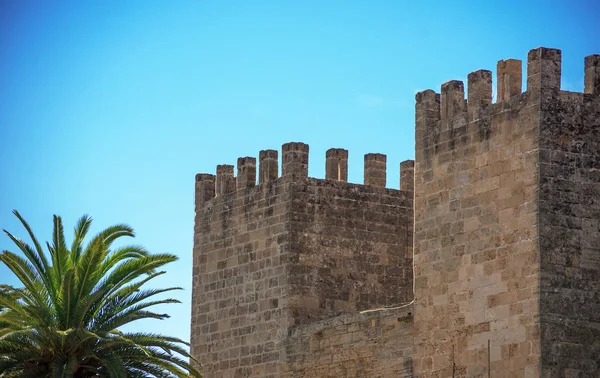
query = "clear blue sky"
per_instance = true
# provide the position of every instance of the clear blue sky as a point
(111, 107)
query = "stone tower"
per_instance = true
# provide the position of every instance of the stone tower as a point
(275, 262)
(507, 224)
(302, 277)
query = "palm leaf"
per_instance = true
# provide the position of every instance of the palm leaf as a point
(59, 252)
(67, 298)
(43, 262)
(25, 273)
(87, 269)
(65, 320)
(81, 230)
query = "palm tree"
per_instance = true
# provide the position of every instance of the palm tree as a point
(65, 320)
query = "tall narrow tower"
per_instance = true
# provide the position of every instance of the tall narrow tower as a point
(507, 224)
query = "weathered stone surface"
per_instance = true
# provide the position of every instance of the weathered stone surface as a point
(295, 160)
(476, 263)
(375, 170)
(569, 216)
(373, 344)
(239, 316)
(351, 248)
(407, 175)
(290, 252)
(507, 256)
(504, 246)
(336, 164)
(246, 174)
(479, 92)
(509, 75)
(269, 165)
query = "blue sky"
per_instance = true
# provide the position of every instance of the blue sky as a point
(110, 108)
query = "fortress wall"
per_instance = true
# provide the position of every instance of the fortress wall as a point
(476, 255)
(570, 228)
(292, 250)
(241, 243)
(351, 248)
(372, 344)
(506, 245)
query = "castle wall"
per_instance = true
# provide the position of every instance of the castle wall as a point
(570, 231)
(372, 344)
(351, 247)
(239, 316)
(506, 245)
(292, 250)
(476, 260)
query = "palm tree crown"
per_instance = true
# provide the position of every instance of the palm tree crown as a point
(65, 320)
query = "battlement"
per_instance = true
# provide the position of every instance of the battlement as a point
(485, 260)
(447, 119)
(294, 168)
(292, 250)
(543, 72)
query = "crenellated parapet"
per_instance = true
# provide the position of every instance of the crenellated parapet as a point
(294, 167)
(450, 118)
(543, 72)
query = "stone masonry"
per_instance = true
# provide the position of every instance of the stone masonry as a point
(292, 251)
(304, 277)
(370, 344)
(507, 243)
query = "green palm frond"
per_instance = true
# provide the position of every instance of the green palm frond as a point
(59, 252)
(40, 260)
(65, 320)
(26, 274)
(81, 230)
(121, 254)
